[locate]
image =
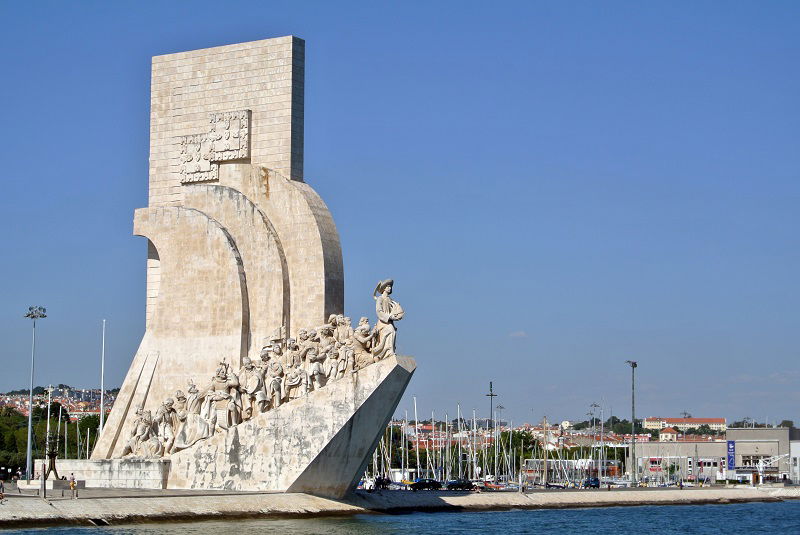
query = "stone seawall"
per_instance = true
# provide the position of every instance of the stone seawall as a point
(108, 507)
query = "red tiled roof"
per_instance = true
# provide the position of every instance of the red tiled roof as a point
(699, 421)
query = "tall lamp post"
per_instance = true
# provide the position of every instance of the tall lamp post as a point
(34, 313)
(633, 365)
(491, 395)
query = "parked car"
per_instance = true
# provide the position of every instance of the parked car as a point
(426, 484)
(460, 484)
(591, 483)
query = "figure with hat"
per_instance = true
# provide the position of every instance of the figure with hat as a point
(388, 311)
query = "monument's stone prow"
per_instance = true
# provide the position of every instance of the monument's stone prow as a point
(318, 444)
(347, 454)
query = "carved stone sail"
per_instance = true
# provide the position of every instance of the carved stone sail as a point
(241, 248)
(239, 245)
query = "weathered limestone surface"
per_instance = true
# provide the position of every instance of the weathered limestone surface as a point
(236, 250)
(201, 315)
(265, 77)
(116, 473)
(317, 444)
(300, 218)
(261, 252)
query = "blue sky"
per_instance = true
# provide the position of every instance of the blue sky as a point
(555, 187)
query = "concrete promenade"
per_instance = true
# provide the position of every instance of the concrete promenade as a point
(112, 506)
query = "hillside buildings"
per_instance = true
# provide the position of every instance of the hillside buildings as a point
(683, 424)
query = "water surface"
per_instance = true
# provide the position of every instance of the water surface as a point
(782, 517)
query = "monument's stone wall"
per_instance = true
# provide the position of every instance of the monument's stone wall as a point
(117, 473)
(266, 77)
(239, 246)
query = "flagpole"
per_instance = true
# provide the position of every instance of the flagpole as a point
(102, 378)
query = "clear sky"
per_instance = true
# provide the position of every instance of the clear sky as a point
(555, 187)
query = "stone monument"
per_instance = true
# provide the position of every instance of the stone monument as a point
(248, 376)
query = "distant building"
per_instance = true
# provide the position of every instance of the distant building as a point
(679, 460)
(682, 424)
(760, 454)
(668, 434)
(794, 459)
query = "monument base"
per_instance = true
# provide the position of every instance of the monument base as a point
(50, 484)
(317, 444)
(116, 473)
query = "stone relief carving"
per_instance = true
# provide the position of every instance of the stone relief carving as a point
(289, 369)
(228, 138)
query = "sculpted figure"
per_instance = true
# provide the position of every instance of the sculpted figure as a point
(346, 326)
(342, 331)
(304, 344)
(167, 421)
(313, 339)
(273, 375)
(181, 412)
(137, 434)
(143, 441)
(191, 427)
(344, 335)
(333, 364)
(362, 345)
(294, 357)
(346, 359)
(222, 406)
(251, 387)
(388, 311)
(152, 446)
(276, 350)
(295, 382)
(333, 321)
(194, 400)
(326, 339)
(317, 376)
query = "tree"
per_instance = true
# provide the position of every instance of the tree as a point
(786, 423)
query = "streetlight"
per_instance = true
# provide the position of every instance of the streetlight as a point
(34, 313)
(592, 408)
(633, 421)
(491, 395)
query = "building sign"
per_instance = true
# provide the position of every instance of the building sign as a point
(731, 455)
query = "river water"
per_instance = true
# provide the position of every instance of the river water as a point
(782, 517)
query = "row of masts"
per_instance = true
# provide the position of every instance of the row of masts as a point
(459, 450)
(462, 450)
